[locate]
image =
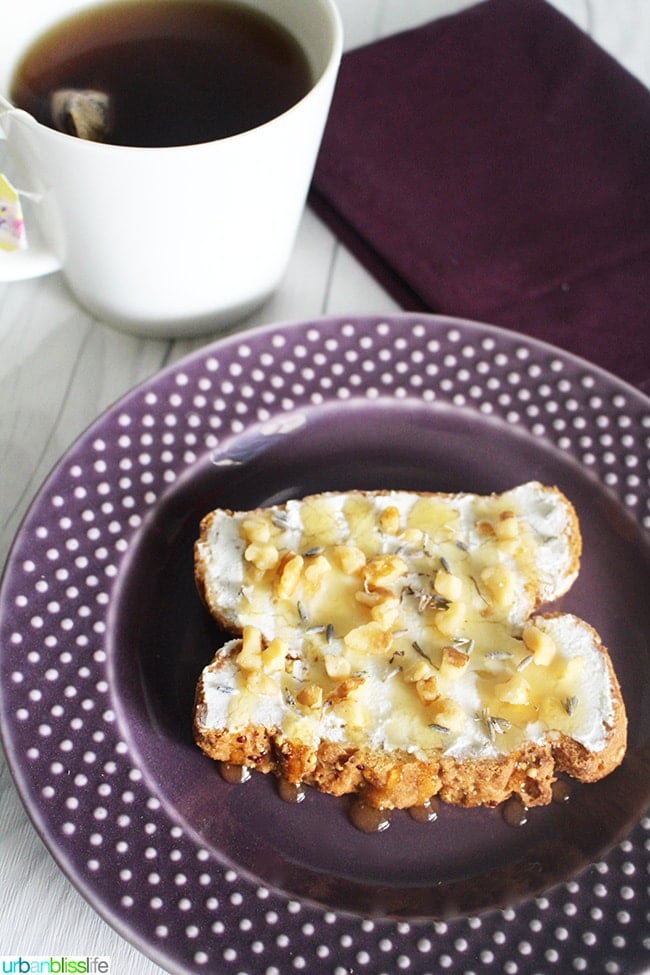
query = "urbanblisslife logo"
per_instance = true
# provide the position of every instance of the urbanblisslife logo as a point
(55, 964)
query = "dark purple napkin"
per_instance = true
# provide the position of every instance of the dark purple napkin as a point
(495, 165)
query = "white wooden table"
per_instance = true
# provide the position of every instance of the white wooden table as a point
(59, 369)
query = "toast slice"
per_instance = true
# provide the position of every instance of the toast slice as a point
(389, 644)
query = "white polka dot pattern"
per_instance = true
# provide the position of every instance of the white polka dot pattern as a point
(63, 727)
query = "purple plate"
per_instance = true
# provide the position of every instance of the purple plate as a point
(103, 637)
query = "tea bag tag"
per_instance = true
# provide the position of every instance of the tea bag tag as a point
(13, 236)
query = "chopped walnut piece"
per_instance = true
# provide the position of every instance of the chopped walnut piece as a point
(315, 571)
(454, 663)
(368, 638)
(256, 528)
(288, 576)
(427, 689)
(354, 713)
(447, 714)
(386, 611)
(311, 696)
(540, 644)
(506, 527)
(383, 570)
(389, 520)
(337, 666)
(450, 621)
(370, 598)
(350, 559)
(413, 537)
(420, 670)
(447, 585)
(345, 688)
(274, 656)
(262, 555)
(249, 657)
(499, 585)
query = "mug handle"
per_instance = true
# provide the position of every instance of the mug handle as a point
(36, 259)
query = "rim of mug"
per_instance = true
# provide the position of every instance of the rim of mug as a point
(8, 109)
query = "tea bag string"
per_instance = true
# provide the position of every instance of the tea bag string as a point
(6, 108)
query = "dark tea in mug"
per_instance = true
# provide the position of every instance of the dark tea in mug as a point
(170, 72)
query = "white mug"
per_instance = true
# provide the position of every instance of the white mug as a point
(174, 241)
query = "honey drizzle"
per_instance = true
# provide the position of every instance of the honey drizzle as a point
(291, 792)
(234, 774)
(369, 819)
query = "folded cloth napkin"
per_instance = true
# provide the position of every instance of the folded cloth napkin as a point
(495, 165)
